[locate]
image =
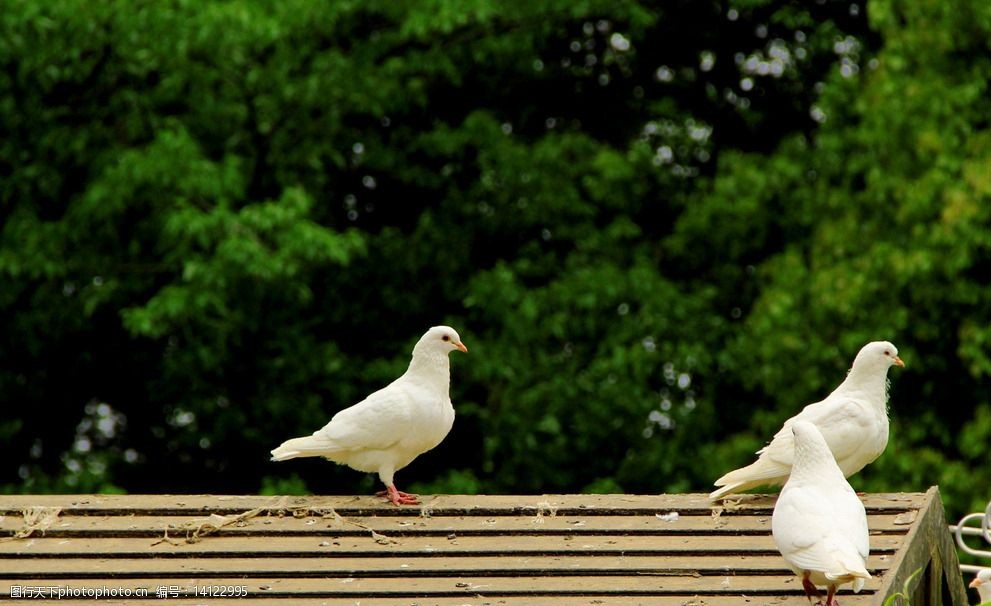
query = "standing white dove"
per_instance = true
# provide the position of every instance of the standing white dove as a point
(387, 430)
(853, 419)
(819, 524)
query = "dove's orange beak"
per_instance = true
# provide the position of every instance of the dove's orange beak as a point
(461, 346)
(975, 583)
(898, 362)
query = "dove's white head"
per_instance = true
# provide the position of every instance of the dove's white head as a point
(813, 459)
(983, 584)
(439, 339)
(877, 355)
(870, 369)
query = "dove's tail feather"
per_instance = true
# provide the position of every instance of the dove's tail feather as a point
(761, 472)
(729, 489)
(849, 569)
(307, 446)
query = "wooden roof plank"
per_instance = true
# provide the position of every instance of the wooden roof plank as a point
(451, 586)
(474, 600)
(348, 546)
(145, 525)
(508, 563)
(435, 505)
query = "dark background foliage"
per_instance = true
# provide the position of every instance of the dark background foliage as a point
(661, 229)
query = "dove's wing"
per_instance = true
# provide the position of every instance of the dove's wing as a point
(797, 528)
(850, 519)
(841, 420)
(376, 423)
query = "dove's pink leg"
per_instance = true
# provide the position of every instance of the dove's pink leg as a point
(810, 588)
(398, 497)
(829, 596)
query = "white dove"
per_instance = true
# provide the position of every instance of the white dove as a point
(387, 430)
(982, 581)
(853, 420)
(819, 524)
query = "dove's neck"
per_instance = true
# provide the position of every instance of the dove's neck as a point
(815, 463)
(870, 381)
(431, 368)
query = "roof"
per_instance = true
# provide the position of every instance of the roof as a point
(537, 550)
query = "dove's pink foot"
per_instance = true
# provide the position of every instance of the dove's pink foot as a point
(810, 589)
(830, 600)
(398, 497)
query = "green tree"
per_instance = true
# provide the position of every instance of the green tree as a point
(887, 235)
(661, 229)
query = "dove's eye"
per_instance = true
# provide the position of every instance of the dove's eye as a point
(445, 338)
(887, 353)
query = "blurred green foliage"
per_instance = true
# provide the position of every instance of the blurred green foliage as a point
(661, 229)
